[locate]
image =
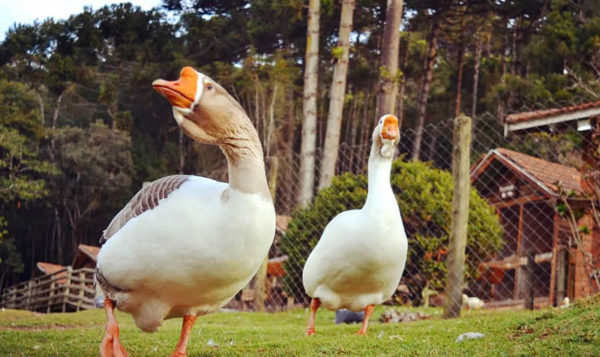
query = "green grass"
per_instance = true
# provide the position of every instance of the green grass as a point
(552, 332)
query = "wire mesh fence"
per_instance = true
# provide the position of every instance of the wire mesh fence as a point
(532, 231)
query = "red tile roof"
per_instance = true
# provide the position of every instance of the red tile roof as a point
(539, 114)
(90, 250)
(49, 268)
(542, 172)
(547, 172)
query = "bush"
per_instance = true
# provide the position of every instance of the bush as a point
(424, 196)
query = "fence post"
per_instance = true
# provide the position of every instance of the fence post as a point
(261, 275)
(67, 288)
(528, 279)
(460, 214)
(81, 289)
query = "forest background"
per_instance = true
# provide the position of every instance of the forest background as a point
(81, 128)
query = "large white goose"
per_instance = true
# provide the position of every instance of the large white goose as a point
(185, 245)
(360, 257)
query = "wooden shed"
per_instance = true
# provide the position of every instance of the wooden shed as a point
(524, 191)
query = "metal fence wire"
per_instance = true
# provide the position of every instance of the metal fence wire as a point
(531, 232)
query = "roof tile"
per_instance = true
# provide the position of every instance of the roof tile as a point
(538, 114)
(549, 173)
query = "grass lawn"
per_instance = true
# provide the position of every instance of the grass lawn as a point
(574, 331)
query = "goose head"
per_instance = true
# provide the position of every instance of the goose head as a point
(201, 107)
(386, 135)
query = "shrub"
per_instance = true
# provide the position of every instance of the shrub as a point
(424, 196)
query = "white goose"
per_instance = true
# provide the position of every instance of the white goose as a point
(360, 257)
(185, 245)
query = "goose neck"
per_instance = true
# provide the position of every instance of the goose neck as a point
(246, 167)
(380, 189)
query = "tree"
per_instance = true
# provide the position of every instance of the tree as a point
(23, 174)
(96, 169)
(10, 257)
(309, 106)
(425, 87)
(337, 94)
(388, 86)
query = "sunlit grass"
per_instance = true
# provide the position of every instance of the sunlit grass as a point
(574, 331)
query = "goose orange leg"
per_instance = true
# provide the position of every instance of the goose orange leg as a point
(314, 306)
(186, 330)
(111, 346)
(368, 312)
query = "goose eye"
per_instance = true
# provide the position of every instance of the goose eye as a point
(209, 86)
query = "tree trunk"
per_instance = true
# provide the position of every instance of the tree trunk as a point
(388, 86)
(350, 126)
(460, 59)
(336, 104)
(58, 235)
(517, 47)
(424, 90)
(42, 110)
(457, 103)
(288, 169)
(478, 50)
(181, 151)
(309, 106)
(403, 83)
(271, 124)
(55, 120)
(364, 147)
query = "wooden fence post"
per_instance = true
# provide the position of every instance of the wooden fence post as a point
(81, 286)
(67, 288)
(28, 298)
(261, 275)
(51, 295)
(460, 215)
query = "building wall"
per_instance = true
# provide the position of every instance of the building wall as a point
(580, 262)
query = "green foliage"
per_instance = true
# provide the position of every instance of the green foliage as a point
(96, 167)
(10, 258)
(337, 52)
(424, 196)
(22, 171)
(519, 91)
(561, 147)
(19, 109)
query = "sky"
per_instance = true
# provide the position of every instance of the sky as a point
(27, 11)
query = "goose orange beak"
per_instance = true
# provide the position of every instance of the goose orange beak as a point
(182, 92)
(390, 130)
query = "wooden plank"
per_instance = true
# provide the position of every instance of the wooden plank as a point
(552, 119)
(519, 200)
(561, 273)
(68, 284)
(518, 252)
(45, 292)
(81, 291)
(482, 167)
(513, 261)
(552, 294)
(460, 213)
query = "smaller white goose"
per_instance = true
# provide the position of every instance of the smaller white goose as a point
(359, 260)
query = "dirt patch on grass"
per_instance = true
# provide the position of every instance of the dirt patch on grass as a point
(577, 321)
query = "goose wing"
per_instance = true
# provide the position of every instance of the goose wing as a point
(146, 199)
